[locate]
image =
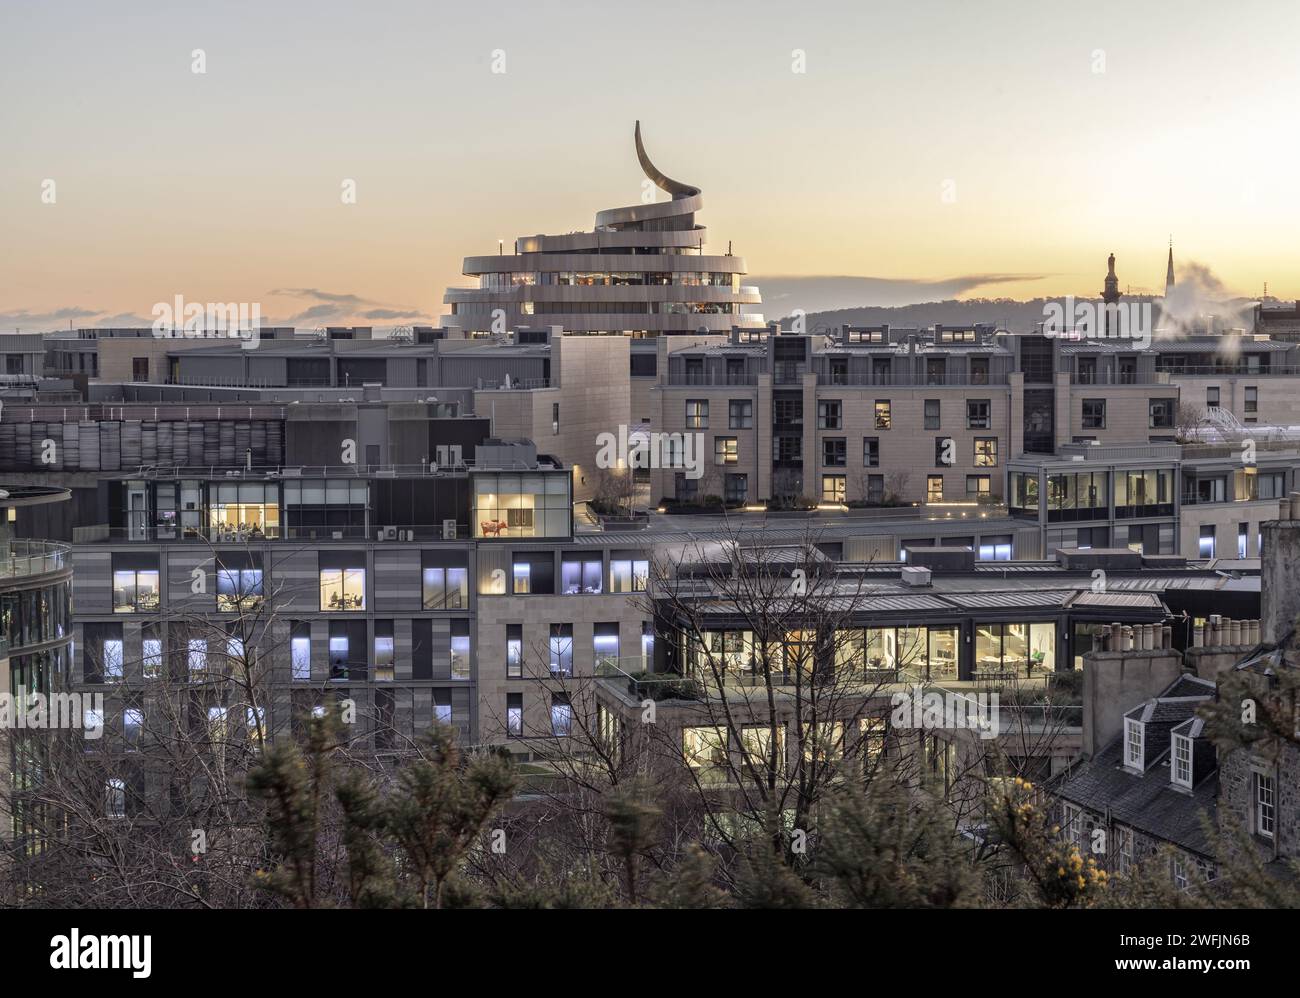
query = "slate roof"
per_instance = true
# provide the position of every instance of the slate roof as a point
(1147, 801)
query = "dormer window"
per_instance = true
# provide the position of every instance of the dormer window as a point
(1133, 745)
(1180, 770)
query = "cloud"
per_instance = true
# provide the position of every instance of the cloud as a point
(339, 308)
(825, 292)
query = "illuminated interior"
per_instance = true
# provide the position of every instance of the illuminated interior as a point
(529, 505)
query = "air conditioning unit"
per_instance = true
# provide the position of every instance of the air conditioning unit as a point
(389, 534)
(408, 535)
(448, 530)
(915, 575)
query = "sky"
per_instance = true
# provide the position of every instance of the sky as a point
(893, 152)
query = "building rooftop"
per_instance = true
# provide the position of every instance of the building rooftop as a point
(1147, 801)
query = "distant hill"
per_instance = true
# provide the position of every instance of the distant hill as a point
(1007, 313)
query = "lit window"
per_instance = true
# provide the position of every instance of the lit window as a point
(580, 576)
(446, 588)
(339, 654)
(756, 743)
(216, 723)
(884, 416)
(521, 572)
(383, 657)
(561, 715)
(934, 488)
(697, 414)
(834, 488)
(1207, 540)
(514, 651)
(705, 751)
(605, 645)
(986, 452)
(151, 657)
(238, 588)
(628, 576)
(460, 656)
(112, 660)
(726, 450)
(255, 719)
(872, 731)
(197, 656)
(342, 588)
(115, 799)
(562, 649)
(300, 654)
(135, 591)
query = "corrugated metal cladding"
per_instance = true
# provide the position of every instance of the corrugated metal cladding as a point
(1150, 600)
(1029, 543)
(873, 547)
(112, 445)
(1012, 600)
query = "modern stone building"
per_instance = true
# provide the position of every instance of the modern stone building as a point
(641, 271)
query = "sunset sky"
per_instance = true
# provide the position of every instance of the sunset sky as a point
(225, 186)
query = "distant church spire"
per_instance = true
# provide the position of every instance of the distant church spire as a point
(1169, 272)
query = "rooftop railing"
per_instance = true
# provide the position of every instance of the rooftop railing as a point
(22, 558)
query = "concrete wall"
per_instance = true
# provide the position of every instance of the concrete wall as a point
(1114, 682)
(1281, 603)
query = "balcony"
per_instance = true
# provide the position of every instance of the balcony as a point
(29, 558)
(709, 379)
(910, 380)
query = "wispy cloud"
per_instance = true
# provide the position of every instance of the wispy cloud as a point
(342, 308)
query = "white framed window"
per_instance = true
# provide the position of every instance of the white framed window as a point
(1181, 770)
(1073, 824)
(1133, 744)
(1265, 805)
(1123, 850)
(1178, 871)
